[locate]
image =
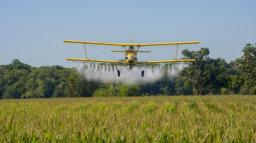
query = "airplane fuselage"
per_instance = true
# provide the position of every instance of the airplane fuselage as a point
(131, 56)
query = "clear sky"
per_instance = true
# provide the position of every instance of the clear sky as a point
(33, 30)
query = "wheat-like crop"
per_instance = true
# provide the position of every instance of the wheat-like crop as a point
(132, 119)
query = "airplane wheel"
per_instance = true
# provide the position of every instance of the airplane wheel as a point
(142, 73)
(118, 73)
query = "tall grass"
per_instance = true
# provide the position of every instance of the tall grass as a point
(134, 119)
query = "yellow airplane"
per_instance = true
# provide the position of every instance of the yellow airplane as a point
(130, 50)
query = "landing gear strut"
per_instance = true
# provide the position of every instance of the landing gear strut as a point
(118, 73)
(142, 73)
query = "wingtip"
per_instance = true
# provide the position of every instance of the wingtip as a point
(66, 41)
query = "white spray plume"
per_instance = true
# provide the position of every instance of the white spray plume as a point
(107, 73)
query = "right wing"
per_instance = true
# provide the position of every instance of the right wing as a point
(94, 60)
(97, 43)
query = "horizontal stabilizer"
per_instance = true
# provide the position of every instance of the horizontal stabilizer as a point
(122, 51)
(119, 51)
(144, 51)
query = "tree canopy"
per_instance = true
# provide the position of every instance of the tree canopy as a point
(204, 76)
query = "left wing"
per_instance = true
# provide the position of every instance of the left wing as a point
(168, 61)
(94, 60)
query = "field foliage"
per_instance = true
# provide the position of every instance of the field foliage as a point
(133, 119)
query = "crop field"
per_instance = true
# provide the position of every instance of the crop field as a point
(130, 119)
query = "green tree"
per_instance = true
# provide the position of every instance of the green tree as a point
(236, 79)
(248, 69)
(197, 73)
(128, 90)
(74, 85)
(206, 75)
(13, 76)
(2, 71)
(108, 90)
(182, 87)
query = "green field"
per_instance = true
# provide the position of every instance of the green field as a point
(130, 119)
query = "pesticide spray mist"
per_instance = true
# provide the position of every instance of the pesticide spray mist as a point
(107, 73)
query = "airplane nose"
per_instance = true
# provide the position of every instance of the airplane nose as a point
(130, 60)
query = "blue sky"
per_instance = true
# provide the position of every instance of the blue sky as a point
(33, 31)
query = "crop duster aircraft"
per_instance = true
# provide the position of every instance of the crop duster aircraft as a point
(131, 50)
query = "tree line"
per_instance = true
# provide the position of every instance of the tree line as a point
(203, 77)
